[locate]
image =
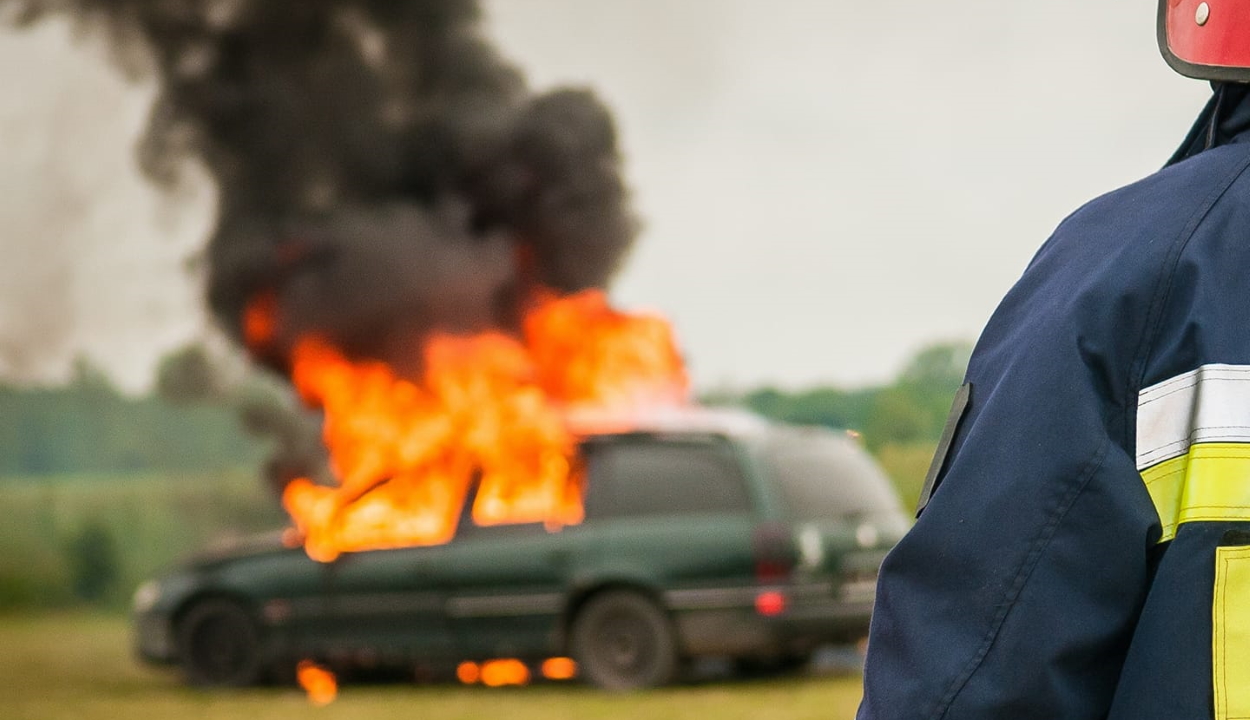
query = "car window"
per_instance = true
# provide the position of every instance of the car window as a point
(467, 528)
(825, 475)
(629, 479)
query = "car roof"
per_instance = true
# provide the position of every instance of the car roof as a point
(670, 421)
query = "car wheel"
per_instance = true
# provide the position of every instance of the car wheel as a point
(219, 645)
(624, 641)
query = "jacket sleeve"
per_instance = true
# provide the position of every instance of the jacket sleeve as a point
(1016, 593)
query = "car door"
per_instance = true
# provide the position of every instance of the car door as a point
(507, 588)
(387, 604)
(676, 514)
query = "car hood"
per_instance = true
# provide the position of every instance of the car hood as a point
(234, 548)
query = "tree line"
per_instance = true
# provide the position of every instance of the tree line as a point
(88, 426)
(910, 409)
(115, 485)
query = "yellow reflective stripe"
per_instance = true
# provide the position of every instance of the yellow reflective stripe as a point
(1210, 482)
(1165, 482)
(1230, 639)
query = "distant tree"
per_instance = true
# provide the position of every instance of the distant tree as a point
(87, 425)
(931, 379)
(93, 564)
(896, 417)
(911, 408)
(940, 366)
(89, 381)
(768, 401)
(186, 375)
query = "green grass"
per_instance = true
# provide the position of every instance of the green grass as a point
(78, 667)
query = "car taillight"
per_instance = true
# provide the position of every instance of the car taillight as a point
(774, 551)
(770, 603)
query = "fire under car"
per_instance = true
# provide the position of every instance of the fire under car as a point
(722, 537)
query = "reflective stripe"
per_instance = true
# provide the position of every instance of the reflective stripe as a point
(1210, 404)
(1230, 639)
(1211, 482)
(1193, 446)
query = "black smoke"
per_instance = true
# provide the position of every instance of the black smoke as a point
(381, 170)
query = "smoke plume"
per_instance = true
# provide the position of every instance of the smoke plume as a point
(382, 172)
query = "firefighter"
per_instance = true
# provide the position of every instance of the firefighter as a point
(1083, 545)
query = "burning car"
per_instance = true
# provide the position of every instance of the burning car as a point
(710, 535)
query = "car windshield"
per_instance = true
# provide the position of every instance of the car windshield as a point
(823, 474)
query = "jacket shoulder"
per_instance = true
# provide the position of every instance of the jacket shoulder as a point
(1116, 272)
(1137, 223)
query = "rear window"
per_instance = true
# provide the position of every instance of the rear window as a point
(635, 478)
(826, 475)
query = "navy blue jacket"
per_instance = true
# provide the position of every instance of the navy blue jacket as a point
(1080, 556)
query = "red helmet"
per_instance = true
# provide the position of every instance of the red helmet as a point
(1206, 39)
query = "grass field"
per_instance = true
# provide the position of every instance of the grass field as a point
(78, 667)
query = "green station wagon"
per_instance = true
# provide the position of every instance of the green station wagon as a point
(716, 536)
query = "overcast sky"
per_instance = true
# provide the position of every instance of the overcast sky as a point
(826, 186)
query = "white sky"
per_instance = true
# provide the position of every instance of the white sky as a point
(826, 186)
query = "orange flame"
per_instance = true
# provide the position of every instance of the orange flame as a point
(489, 408)
(494, 673)
(497, 673)
(319, 683)
(510, 671)
(468, 672)
(559, 668)
(587, 353)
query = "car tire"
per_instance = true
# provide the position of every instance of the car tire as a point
(622, 641)
(219, 645)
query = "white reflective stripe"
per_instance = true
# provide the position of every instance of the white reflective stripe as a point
(1210, 404)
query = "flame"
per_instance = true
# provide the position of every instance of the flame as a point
(318, 682)
(488, 408)
(260, 320)
(468, 672)
(589, 354)
(510, 671)
(497, 673)
(494, 673)
(559, 668)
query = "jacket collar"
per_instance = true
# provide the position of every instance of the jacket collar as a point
(1224, 120)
